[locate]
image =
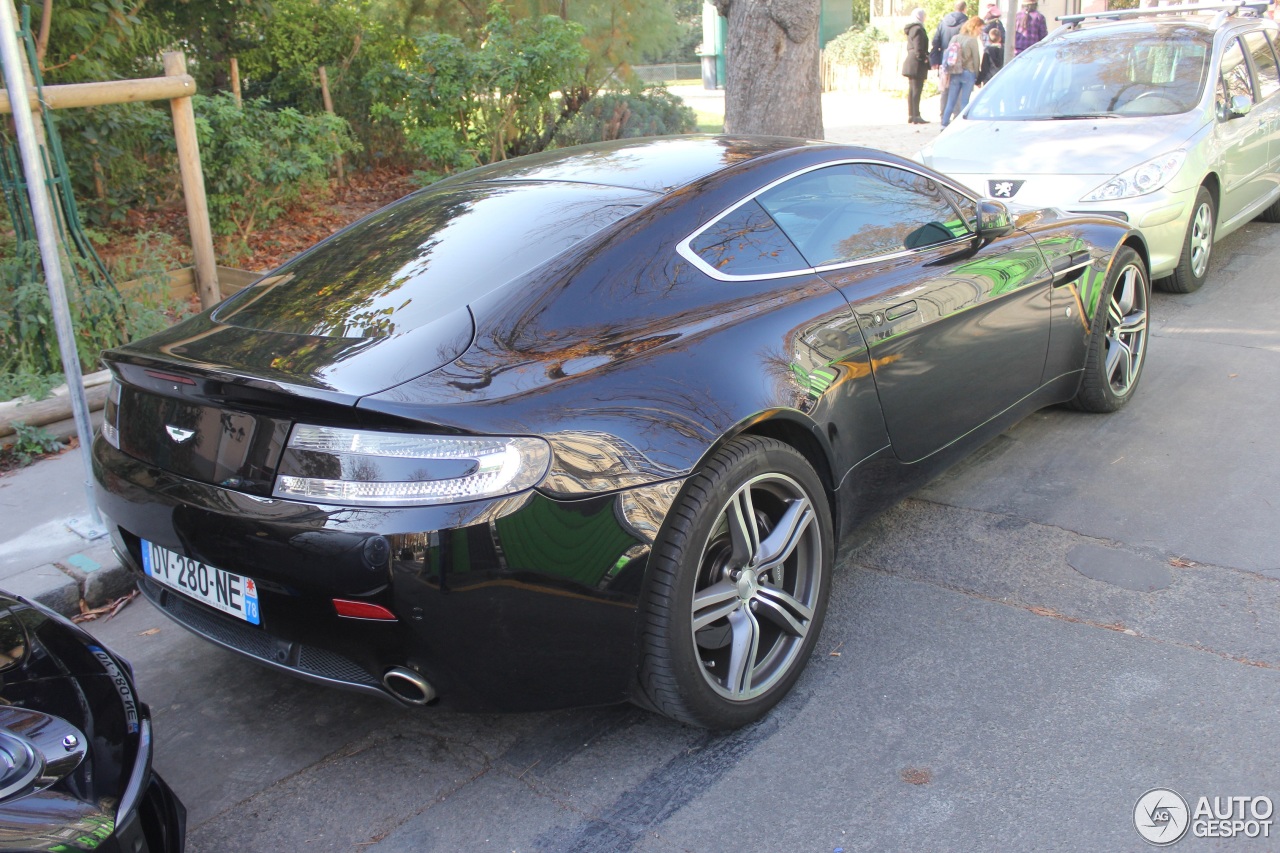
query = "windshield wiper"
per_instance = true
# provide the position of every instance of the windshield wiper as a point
(1075, 116)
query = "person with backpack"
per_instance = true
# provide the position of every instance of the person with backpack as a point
(948, 27)
(916, 66)
(962, 61)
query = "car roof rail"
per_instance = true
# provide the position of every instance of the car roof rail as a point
(1254, 8)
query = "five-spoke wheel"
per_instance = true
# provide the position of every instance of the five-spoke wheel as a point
(737, 586)
(1118, 339)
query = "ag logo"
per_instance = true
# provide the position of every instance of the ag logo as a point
(1004, 189)
(1161, 816)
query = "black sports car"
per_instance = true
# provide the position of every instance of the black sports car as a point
(75, 744)
(587, 426)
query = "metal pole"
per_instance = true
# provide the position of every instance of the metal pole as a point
(47, 236)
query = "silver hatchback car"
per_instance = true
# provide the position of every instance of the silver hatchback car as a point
(1168, 118)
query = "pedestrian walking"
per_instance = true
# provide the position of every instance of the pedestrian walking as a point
(992, 58)
(916, 66)
(948, 27)
(993, 22)
(1029, 27)
(962, 62)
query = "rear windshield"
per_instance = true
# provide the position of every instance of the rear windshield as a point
(1124, 74)
(425, 256)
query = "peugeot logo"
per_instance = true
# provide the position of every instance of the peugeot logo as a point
(178, 434)
(1004, 188)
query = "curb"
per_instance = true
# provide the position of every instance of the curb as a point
(94, 575)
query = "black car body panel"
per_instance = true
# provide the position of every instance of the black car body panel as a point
(634, 364)
(73, 701)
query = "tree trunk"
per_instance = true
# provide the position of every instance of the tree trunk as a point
(773, 81)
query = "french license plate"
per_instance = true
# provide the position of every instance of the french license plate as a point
(233, 594)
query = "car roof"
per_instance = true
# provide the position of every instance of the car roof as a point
(654, 164)
(1162, 20)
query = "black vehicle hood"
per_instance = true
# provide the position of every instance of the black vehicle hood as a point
(58, 670)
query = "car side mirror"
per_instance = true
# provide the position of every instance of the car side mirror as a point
(1241, 105)
(993, 219)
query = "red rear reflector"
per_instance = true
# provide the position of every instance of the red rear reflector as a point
(170, 377)
(362, 610)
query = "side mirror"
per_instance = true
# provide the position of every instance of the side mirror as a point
(1241, 105)
(993, 219)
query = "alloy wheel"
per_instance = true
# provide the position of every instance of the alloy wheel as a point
(1126, 330)
(757, 588)
(1201, 239)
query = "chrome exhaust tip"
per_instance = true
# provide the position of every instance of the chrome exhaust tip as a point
(407, 686)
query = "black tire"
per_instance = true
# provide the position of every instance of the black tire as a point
(716, 678)
(1193, 267)
(1271, 213)
(1118, 336)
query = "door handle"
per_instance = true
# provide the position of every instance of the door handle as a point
(900, 310)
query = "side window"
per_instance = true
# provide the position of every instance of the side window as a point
(1264, 63)
(862, 210)
(747, 241)
(1235, 78)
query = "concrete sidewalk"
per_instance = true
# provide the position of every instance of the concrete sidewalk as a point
(871, 118)
(41, 558)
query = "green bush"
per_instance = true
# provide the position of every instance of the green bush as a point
(32, 441)
(857, 47)
(459, 106)
(258, 160)
(619, 115)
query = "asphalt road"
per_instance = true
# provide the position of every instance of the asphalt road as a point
(1087, 608)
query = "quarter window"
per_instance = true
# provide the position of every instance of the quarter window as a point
(862, 210)
(1264, 62)
(747, 242)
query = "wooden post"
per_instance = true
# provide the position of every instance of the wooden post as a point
(184, 133)
(328, 107)
(235, 81)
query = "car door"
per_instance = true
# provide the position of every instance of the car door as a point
(1242, 138)
(1266, 72)
(958, 328)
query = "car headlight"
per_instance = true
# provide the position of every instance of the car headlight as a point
(1141, 179)
(365, 468)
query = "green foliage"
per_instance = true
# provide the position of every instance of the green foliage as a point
(32, 441)
(258, 160)
(857, 47)
(102, 317)
(616, 115)
(118, 151)
(459, 105)
(35, 386)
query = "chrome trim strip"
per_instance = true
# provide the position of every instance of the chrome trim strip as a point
(685, 250)
(1060, 273)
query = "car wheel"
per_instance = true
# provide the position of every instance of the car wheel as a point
(1118, 339)
(737, 587)
(1197, 245)
(1271, 213)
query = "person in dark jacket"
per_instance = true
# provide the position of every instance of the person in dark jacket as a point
(992, 57)
(948, 28)
(916, 66)
(993, 22)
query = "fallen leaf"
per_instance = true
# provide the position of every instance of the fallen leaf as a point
(1232, 375)
(111, 608)
(915, 775)
(149, 632)
(1181, 563)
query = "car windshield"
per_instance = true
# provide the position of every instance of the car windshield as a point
(1122, 74)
